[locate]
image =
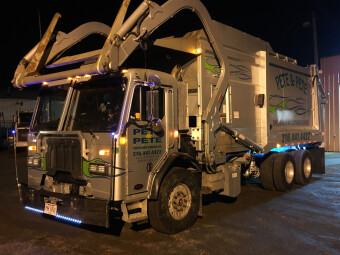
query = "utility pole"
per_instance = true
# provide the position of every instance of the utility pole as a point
(315, 40)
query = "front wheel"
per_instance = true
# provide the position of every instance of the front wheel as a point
(177, 206)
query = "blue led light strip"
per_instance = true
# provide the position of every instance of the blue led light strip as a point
(33, 209)
(285, 148)
(58, 216)
(68, 219)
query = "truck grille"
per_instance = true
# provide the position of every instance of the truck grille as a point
(63, 154)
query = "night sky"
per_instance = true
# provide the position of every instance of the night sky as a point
(280, 22)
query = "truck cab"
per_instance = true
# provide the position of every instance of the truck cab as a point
(104, 137)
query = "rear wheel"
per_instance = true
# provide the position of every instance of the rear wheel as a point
(266, 171)
(303, 162)
(177, 206)
(284, 171)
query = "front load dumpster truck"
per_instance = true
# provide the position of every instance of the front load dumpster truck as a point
(20, 127)
(157, 116)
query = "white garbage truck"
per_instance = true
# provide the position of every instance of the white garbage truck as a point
(18, 134)
(154, 118)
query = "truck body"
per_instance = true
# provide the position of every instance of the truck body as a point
(142, 127)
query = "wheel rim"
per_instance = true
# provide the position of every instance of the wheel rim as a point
(180, 202)
(289, 172)
(307, 167)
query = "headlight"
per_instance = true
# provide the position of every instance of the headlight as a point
(34, 161)
(99, 169)
(30, 161)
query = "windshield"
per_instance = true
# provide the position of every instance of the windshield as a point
(49, 107)
(96, 105)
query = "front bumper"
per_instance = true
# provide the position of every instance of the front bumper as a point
(71, 208)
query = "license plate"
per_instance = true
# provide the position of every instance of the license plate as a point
(50, 209)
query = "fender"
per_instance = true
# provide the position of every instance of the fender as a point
(175, 159)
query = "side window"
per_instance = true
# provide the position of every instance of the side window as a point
(136, 108)
(143, 99)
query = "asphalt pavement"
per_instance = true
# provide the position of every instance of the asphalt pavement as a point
(305, 220)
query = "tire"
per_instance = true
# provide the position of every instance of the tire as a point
(284, 171)
(303, 163)
(177, 206)
(266, 171)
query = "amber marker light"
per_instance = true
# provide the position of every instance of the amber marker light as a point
(32, 148)
(122, 140)
(198, 51)
(104, 152)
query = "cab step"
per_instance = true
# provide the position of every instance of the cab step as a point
(134, 212)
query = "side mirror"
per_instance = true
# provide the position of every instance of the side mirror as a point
(157, 127)
(154, 81)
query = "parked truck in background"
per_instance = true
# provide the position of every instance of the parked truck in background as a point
(157, 116)
(17, 137)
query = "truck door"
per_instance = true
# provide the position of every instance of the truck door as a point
(145, 146)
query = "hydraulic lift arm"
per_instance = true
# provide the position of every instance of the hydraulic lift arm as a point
(122, 39)
(148, 16)
(27, 73)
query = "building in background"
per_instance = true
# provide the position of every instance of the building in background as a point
(330, 79)
(11, 102)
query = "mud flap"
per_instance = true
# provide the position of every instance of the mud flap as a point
(318, 160)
